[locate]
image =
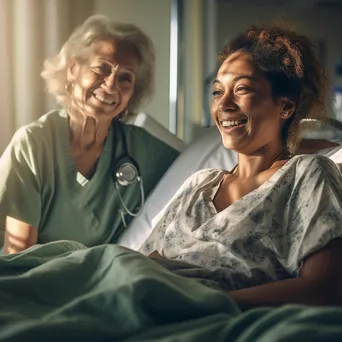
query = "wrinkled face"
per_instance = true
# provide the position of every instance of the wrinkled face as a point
(246, 114)
(104, 84)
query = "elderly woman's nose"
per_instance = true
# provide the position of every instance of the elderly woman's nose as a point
(110, 83)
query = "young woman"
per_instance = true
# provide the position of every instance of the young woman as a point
(269, 230)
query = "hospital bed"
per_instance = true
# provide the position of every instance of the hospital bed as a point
(65, 292)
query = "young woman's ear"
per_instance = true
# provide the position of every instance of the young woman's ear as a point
(288, 107)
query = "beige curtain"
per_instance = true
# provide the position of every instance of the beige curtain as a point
(30, 31)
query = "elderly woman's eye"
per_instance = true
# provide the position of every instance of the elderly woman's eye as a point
(102, 69)
(126, 78)
(216, 92)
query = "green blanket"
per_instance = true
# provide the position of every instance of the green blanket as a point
(64, 292)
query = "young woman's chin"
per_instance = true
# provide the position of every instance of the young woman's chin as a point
(231, 144)
(235, 142)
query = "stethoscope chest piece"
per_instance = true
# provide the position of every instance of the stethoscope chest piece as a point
(127, 173)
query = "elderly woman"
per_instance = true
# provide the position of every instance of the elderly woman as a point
(76, 173)
(268, 231)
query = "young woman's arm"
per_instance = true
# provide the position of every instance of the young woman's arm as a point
(319, 283)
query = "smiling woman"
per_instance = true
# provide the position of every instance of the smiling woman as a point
(268, 232)
(103, 86)
(240, 85)
(63, 176)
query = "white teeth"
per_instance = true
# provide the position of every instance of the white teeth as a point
(102, 99)
(232, 123)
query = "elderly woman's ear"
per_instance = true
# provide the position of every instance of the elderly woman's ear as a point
(72, 66)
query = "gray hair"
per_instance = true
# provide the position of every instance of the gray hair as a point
(95, 28)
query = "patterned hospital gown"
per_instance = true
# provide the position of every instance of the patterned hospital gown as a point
(264, 236)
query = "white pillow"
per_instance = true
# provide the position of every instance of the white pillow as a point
(153, 127)
(206, 152)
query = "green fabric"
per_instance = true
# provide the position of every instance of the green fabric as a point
(64, 292)
(40, 185)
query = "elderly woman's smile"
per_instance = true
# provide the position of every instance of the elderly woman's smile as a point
(105, 82)
(103, 100)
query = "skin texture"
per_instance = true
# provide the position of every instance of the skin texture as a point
(110, 74)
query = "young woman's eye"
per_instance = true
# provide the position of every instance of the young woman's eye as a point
(242, 89)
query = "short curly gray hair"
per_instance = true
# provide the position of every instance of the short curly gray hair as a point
(95, 28)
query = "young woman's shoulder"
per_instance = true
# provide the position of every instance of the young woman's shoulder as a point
(314, 164)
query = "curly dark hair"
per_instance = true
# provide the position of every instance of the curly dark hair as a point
(289, 62)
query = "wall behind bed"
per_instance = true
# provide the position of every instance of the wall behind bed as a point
(321, 21)
(30, 31)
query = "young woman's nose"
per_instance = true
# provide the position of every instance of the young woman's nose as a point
(227, 103)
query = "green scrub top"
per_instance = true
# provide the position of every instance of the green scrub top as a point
(39, 183)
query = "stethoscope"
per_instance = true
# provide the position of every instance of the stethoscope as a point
(125, 172)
